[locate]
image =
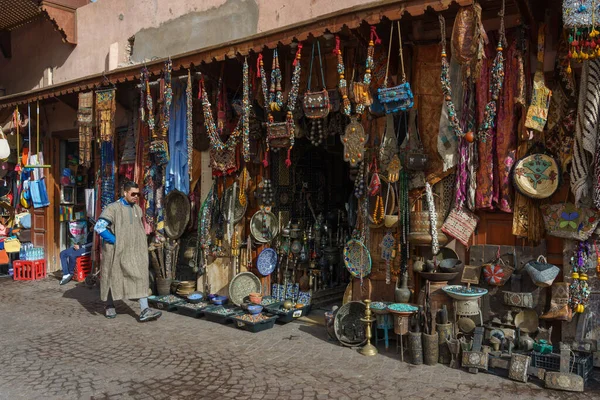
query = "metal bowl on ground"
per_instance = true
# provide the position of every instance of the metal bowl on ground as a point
(348, 328)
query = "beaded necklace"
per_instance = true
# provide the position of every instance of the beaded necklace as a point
(435, 245)
(246, 114)
(168, 93)
(212, 129)
(489, 119)
(274, 97)
(148, 103)
(447, 89)
(579, 291)
(346, 106)
(189, 121)
(404, 211)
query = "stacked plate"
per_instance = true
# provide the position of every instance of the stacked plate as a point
(186, 287)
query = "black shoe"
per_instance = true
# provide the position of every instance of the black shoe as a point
(66, 279)
(149, 315)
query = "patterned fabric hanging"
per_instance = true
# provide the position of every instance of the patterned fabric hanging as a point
(105, 121)
(586, 130)
(85, 118)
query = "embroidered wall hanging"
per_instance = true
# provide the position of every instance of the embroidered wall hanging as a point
(105, 114)
(85, 118)
(567, 221)
(537, 114)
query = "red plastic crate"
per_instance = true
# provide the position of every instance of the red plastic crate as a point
(40, 268)
(23, 270)
(83, 267)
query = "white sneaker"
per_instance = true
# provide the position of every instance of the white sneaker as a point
(66, 279)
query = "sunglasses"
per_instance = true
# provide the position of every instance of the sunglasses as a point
(135, 194)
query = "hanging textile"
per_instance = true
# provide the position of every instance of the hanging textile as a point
(85, 118)
(427, 88)
(105, 122)
(468, 39)
(105, 114)
(447, 143)
(108, 172)
(587, 117)
(506, 138)
(177, 176)
(563, 109)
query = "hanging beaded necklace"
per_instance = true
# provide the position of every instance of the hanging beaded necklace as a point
(579, 291)
(189, 121)
(435, 245)
(354, 138)
(274, 98)
(211, 127)
(246, 114)
(447, 89)
(148, 102)
(404, 211)
(168, 99)
(497, 79)
(346, 106)
(359, 182)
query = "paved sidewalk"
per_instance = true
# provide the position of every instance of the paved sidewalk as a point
(56, 344)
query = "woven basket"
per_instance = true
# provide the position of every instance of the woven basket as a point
(541, 272)
(419, 220)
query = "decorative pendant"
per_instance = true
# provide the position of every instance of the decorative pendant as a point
(354, 141)
(387, 248)
(394, 169)
(316, 133)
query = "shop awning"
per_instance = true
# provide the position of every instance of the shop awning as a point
(371, 13)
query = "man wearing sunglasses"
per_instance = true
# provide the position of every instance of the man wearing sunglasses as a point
(124, 267)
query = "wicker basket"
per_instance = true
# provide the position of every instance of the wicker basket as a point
(420, 227)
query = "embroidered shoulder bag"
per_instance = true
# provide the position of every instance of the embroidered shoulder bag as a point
(316, 104)
(537, 114)
(416, 158)
(400, 97)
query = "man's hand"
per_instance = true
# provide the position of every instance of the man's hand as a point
(76, 246)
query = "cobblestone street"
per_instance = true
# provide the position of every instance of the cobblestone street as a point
(56, 344)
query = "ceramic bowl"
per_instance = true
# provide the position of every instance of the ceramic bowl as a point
(255, 298)
(255, 309)
(220, 300)
(195, 298)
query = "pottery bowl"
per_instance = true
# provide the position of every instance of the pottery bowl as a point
(255, 298)
(220, 300)
(195, 298)
(255, 309)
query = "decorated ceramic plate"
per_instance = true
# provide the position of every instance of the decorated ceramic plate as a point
(357, 258)
(402, 308)
(264, 226)
(266, 261)
(242, 285)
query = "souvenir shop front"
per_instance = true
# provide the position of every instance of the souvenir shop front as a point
(23, 193)
(420, 168)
